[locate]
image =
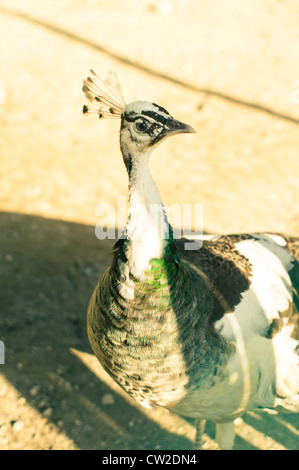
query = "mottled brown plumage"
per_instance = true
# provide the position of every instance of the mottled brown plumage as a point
(226, 270)
(160, 344)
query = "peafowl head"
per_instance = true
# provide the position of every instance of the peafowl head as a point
(143, 124)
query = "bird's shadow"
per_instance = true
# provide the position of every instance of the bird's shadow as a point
(48, 271)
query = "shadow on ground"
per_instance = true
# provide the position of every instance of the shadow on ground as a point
(48, 271)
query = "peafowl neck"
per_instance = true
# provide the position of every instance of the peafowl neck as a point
(147, 228)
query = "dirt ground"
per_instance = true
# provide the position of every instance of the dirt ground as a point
(229, 69)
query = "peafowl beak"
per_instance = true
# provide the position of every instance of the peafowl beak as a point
(173, 127)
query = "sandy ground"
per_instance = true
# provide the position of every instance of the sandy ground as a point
(227, 68)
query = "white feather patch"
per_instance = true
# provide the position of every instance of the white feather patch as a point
(271, 366)
(270, 291)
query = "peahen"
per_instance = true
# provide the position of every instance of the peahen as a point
(208, 333)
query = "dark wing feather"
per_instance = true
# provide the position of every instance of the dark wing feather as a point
(226, 271)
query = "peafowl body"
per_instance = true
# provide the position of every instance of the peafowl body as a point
(208, 333)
